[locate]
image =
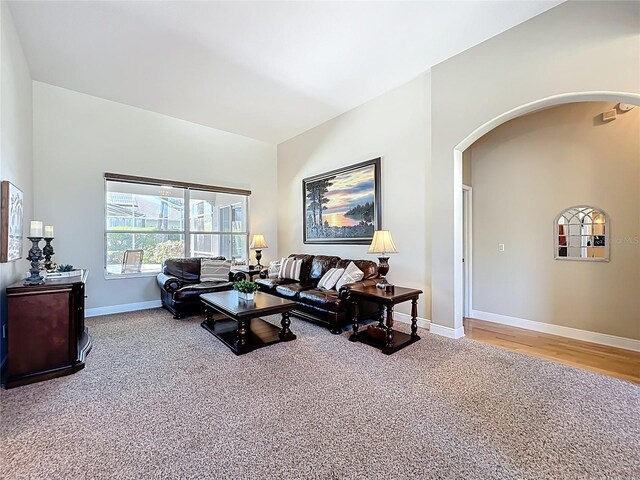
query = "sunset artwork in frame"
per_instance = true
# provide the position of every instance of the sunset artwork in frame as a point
(343, 206)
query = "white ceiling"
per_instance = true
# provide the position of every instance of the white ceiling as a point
(267, 70)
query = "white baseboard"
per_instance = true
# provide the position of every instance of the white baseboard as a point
(448, 332)
(404, 318)
(575, 333)
(126, 307)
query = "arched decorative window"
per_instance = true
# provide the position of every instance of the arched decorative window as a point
(582, 233)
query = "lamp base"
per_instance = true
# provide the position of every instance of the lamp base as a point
(258, 257)
(383, 269)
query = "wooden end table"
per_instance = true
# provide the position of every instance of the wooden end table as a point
(382, 335)
(248, 271)
(242, 330)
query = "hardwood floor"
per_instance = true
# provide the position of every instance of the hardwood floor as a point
(615, 362)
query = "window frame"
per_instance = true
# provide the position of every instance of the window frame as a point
(186, 232)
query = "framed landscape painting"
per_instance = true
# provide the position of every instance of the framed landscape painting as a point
(343, 206)
(11, 212)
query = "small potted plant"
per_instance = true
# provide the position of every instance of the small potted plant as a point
(245, 289)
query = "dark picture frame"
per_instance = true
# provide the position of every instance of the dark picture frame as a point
(11, 221)
(342, 206)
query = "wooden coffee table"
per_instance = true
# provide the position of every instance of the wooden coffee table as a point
(242, 330)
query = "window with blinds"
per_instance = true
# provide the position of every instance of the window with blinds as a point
(165, 219)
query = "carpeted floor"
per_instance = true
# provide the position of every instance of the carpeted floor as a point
(162, 398)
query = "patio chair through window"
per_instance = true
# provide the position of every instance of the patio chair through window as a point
(132, 261)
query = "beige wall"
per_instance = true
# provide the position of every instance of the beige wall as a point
(16, 155)
(561, 51)
(467, 169)
(78, 137)
(575, 47)
(395, 127)
(525, 173)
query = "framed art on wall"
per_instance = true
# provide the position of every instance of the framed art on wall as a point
(342, 206)
(10, 222)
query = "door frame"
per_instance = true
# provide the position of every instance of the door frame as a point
(448, 307)
(467, 252)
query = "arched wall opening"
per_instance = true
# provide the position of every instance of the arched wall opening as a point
(458, 291)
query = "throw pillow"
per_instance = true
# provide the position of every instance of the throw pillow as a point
(351, 274)
(274, 268)
(290, 269)
(329, 279)
(214, 270)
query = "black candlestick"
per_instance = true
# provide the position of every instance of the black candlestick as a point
(35, 255)
(48, 253)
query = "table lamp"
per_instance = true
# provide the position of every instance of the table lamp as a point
(382, 244)
(257, 244)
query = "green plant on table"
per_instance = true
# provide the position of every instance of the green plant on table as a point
(245, 286)
(65, 268)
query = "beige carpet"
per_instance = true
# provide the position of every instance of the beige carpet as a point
(162, 398)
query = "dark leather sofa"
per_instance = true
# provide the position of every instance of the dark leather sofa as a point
(180, 285)
(328, 307)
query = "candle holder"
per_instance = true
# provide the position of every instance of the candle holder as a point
(48, 253)
(35, 255)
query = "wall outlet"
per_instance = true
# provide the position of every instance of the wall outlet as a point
(501, 247)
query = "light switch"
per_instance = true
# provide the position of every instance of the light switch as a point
(501, 247)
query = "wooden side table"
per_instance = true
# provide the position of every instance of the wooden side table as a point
(382, 335)
(247, 271)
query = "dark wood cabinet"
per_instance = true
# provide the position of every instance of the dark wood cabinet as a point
(46, 335)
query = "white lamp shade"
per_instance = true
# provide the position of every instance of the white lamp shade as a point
(258, 242)
(382, 243)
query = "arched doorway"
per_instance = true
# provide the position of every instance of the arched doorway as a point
(555, 100)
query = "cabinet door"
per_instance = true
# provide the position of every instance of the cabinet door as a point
(38, 331)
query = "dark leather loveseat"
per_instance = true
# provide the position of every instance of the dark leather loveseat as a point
(328, 307)
(180, 286)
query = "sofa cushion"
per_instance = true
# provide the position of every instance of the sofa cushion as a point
(369, 268)
(306, 265)
(324, 299)
(187, 269)
(291, 269)
(351, 274)
(214, 270)
(269, 284)
(293, 289)
(320, 265)
(274, 268)
(329, 279)
(193, 292)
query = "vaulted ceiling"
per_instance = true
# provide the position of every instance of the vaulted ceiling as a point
(266, 70)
